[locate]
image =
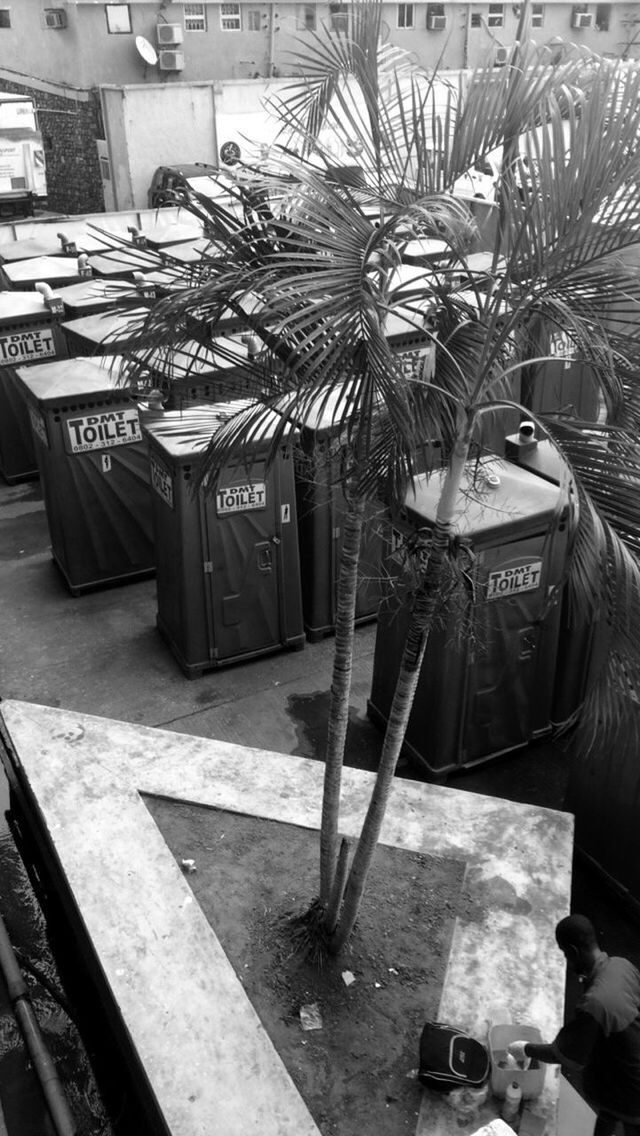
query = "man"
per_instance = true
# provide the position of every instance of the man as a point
(604, 1036)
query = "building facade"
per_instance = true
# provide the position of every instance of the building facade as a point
(84, 43)
(64, 53)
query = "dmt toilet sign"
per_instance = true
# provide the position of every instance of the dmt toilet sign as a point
(103, 430)
(510, 581)
(241, 498)
(27, 346)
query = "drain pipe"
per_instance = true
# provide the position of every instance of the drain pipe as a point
(45, 1070)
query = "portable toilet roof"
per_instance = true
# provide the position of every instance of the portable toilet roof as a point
(105, 329)
(16, 305)
(69, 378)
(191, 359)
(496, 499)
(48, 269)
(183, 434)
(97, 292)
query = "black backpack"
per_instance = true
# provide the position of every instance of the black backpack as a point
(450, 1059)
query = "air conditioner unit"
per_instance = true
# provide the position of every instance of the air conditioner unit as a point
(171, 60)
(436, 23)
(582, 20)
(500, 56)
(169, 33)
(55, 18)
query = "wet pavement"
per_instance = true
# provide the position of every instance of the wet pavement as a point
(102, 654)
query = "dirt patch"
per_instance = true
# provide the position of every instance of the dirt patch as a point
(357, 1073)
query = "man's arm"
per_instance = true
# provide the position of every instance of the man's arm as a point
(572, 1047)
(550, 1053)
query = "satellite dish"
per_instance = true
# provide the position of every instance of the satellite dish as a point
(146, 50)
(230, 153)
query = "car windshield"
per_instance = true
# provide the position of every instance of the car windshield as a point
(208, 186)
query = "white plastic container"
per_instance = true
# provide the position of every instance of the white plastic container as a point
(512, 1102)
(530, 1080)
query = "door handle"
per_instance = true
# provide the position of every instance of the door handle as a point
(264, 558)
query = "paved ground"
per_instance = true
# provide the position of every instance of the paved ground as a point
(120, 667)
(101, 654)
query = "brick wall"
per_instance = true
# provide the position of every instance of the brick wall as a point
(69, 126)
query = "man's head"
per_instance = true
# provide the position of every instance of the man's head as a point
(576, 937)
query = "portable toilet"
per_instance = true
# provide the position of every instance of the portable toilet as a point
(104, 333)
(192, 372)
(322, 508)
(94, 470)
(29, 333)
(228, 574)
(486, 685)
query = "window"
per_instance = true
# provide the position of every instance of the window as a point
(195, 18)
(307, 18)
(230, 18)
(537, 15)
(405, 15)
(5, 17)
(118, 19)
(476, 20)
(496, 15)
(603, 16)
(339, 15)
(55, 18)
(253, 20)
(105, 168)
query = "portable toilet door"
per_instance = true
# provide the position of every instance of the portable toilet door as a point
(94, 470)
(29, 333)
(254, 580)
(486, 683)
(228, 573)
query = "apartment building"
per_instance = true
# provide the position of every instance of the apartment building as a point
(87, 42)
(64, 53)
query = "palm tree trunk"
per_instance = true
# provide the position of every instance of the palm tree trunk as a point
(340, 691)
(425, 604)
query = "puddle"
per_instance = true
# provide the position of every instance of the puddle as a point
(309, 714)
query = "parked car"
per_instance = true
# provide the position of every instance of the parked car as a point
(170, 185)
(481, 180)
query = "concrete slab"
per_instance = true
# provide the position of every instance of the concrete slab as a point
(207, 1059)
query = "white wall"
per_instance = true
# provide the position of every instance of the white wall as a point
(150, 126)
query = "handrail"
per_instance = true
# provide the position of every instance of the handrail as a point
(43, 1065)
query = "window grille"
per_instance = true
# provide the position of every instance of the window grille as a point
(195, 18)
(405, 15)
(230, 20)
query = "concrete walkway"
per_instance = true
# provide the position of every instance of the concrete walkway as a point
(207, 1059)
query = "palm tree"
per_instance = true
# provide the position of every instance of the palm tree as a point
(328, 269)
